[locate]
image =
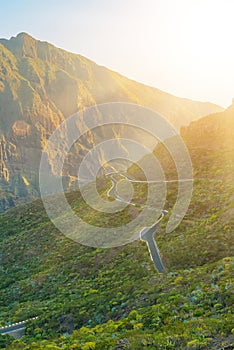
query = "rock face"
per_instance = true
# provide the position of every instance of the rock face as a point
(40, 86)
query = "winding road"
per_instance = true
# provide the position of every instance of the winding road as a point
(147, 233)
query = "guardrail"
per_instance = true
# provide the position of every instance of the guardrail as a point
(16, 325)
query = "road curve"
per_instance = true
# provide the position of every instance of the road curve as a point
(147, 233)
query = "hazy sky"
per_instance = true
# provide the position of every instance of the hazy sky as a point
(184, 47)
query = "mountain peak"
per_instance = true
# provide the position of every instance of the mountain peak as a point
(21, 45)
(23, 35)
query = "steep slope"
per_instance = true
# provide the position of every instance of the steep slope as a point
(41, 85)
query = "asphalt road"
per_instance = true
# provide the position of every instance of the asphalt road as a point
(147, 233)
(15, 326)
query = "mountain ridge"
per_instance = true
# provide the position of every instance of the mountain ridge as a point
(212, 131)
(23, 36)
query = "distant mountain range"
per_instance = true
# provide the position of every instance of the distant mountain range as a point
(41, 85)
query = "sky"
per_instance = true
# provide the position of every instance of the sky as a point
(184, 47)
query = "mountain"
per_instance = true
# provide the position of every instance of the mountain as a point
(40, 86)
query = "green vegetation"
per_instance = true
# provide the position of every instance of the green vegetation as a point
(181, 310)
(90, 298)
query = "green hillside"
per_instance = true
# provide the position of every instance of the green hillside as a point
(90, 298)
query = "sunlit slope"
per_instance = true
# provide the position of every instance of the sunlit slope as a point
(72, 81)
(215, 131)
(40, 86)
